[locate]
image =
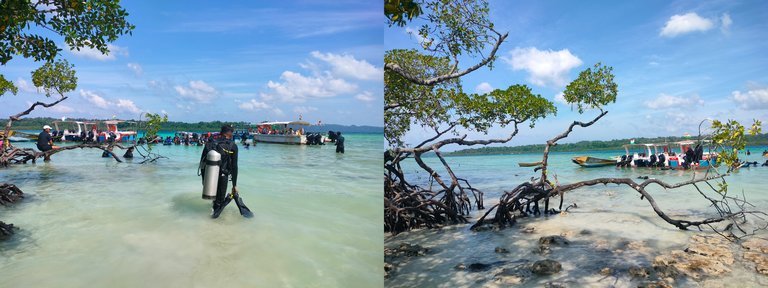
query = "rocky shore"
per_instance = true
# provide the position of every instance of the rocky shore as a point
(704, 259)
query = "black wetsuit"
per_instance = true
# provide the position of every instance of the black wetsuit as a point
(128, 154)
(228, 151)
(43, 141)
(340, 144)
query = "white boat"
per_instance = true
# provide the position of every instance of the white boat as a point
(74, 130)
(283, 132)
(120, 136)
(664, 156)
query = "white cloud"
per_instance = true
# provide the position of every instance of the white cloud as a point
(297, 88)
(163, 111)
(560, 98)
(483, 88)
(304, 109)
(544, 66)
(122, 105)
(94, 98)
(653, 63)
(348, 66)
(93, 54)
(198, 91)
(668, 101)
(62, 108)
(253, 105)
(127, 105)
(689, 22)
(753, 99)
(725, 22)
(278, 112)
(365, 96)
(136, 68)
(25, 86)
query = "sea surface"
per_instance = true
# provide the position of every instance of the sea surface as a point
(89, 221)
(612, 216)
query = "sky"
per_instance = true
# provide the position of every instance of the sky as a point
(676, 63)
(228, 60)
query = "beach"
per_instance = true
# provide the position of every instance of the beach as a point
(90, 221)
(611, 227)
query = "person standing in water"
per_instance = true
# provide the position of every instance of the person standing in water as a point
(45, 141)
(339, 143)
(228, 150)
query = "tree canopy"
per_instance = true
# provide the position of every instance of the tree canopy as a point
(82, 24)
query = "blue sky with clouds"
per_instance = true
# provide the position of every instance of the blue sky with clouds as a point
(230, 61)
(676, 62)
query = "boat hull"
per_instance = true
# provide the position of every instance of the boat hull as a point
(280, 139)
(592, 162)
(529, 164)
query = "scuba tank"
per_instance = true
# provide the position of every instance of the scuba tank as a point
(211, 177)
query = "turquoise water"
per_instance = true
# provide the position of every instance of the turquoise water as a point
(88, 221)
(614, 214)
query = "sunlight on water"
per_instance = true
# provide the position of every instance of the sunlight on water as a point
(89, 221)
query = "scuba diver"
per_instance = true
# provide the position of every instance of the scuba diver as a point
(339, 143)
(128, 154)
(227, 166)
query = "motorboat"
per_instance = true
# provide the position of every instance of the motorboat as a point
(591, 162)
(283, 132)
(687, 154)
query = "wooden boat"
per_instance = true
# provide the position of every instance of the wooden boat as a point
(589, 162)
(529, 164)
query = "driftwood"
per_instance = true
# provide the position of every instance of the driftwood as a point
(9, 194)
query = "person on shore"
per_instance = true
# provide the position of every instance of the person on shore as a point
(339, 143)
(45, 141)
(128, 154)
(228, 166)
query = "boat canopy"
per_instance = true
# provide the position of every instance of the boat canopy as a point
(302, 123)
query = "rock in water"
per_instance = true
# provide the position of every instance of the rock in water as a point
(546, 267)
(514, 276)
(639, 272)
(501, 250)
(756, 251)
(6, 230)
(553, 240)
(705, 256)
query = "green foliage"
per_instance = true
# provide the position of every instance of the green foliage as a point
(90, 23)
(397, 11)
(58, 77)
(444, 104)
(592, 89)
(729, 138)
(426, 105)
(7, 86)
(456, 27)
(154, 123)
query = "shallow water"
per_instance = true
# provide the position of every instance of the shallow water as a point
(614, 215)
(88, 221)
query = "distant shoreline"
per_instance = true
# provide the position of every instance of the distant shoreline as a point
(173, 126)
(589, 146)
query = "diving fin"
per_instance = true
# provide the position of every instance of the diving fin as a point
(243, 209)
(217, 209)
